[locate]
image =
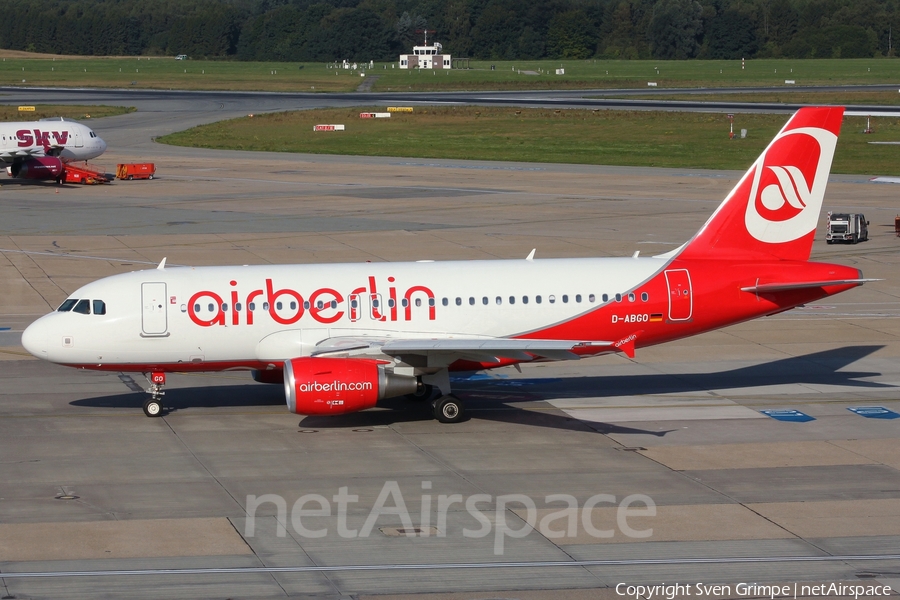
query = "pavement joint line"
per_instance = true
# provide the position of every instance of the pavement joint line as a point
(16, 353)
(82, 257)
(446, 566)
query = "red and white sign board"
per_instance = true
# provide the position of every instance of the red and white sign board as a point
(328, 128)
(375, 115)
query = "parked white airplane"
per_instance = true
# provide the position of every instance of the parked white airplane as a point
(40, 149)
(343, 336)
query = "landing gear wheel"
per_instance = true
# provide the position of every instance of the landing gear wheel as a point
(153, 407)
(424, 392)
(448, 409)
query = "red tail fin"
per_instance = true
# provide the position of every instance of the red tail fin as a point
(773, 210)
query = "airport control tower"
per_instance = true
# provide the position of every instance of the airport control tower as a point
(426, 57)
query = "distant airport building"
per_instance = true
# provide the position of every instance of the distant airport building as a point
(426, 57)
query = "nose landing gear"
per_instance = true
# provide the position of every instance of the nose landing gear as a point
(153, 406)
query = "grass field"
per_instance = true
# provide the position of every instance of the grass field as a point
(637, 74)
(638, 138)
(43, 111)
(168, 73)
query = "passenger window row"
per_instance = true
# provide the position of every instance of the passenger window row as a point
(211, 307)
(392, 303)
(354, 303)
(499, 300)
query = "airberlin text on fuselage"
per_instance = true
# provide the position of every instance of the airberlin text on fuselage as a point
(325, 305)
(36, 137)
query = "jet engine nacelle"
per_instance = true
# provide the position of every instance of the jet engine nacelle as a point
(38, 167)
(333, 386)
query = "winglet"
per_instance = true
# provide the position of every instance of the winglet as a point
(531, 254)
(626, 344)
(162, 264)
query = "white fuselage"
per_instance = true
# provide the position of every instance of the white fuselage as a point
(67, 140)
(242, 316)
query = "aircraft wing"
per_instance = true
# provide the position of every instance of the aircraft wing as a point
(484, 350)
(445, 351)
(12, 155)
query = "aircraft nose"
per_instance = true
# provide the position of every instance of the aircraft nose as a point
(35, 338)
(102, 144)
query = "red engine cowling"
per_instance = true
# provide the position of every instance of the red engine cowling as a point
(38, 167)
(334, 386)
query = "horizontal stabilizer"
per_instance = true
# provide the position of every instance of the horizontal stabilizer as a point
(767, 288)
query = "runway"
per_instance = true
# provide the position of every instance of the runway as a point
(98, 501)
(161, 112)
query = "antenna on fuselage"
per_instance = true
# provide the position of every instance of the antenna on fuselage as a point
(162, 264)
(531, 254)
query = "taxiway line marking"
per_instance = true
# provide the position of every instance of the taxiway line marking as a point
(442, 566)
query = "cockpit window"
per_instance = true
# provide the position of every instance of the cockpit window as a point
(83, 307)
(67, 305)
(99, 307)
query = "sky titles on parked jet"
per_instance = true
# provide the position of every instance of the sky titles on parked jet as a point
(40, 138)
(287, 305)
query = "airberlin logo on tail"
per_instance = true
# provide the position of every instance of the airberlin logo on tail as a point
(789, 184)
(786, 198)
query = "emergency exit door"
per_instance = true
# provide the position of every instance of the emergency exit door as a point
(153, 314)
(681, 297)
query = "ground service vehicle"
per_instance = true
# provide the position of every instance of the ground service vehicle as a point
(135, 171)
(846, 227)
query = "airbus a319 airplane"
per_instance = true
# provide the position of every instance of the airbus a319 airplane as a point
(40, 149)
(343, 336)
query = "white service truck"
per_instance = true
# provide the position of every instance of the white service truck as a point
(846, 227)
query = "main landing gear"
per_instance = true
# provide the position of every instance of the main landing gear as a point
(448, 409)
(423, 392)
(153, 406)
(445, 408)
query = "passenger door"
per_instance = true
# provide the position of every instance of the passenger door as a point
(681, 300)
(154, 321)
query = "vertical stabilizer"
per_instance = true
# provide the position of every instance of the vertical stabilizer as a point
(774, 209)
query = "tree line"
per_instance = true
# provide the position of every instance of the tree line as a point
(363, 30)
